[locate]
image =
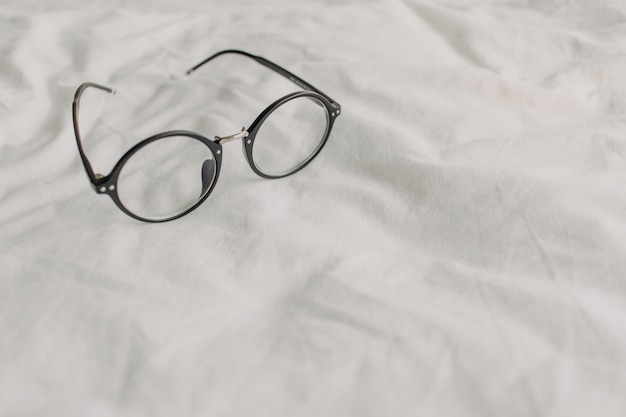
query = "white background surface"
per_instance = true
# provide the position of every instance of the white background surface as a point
(457, 249)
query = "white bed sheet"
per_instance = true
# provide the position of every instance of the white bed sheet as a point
(458, 248)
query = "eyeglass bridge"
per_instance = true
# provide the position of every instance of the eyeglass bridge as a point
(243, 134)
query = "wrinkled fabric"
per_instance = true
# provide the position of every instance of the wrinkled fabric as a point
(458, 248)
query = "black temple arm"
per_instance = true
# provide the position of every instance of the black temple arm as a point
(268, 64)
(75, 109)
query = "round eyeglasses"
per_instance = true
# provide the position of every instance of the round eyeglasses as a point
(170, 174)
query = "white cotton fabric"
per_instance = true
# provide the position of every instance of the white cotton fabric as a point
(457, 249)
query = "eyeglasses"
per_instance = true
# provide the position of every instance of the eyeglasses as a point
(170, 174)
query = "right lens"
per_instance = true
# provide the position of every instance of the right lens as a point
(166, 177)
(290, 136)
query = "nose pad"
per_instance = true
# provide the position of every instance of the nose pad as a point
(243, 149)
(208, 172)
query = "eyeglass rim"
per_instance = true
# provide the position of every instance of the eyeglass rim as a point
(109, 184)
(248, 144)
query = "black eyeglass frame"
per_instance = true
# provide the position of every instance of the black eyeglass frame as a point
(107, 184)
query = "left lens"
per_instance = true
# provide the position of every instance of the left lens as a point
(166, 177)
(290, 136)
